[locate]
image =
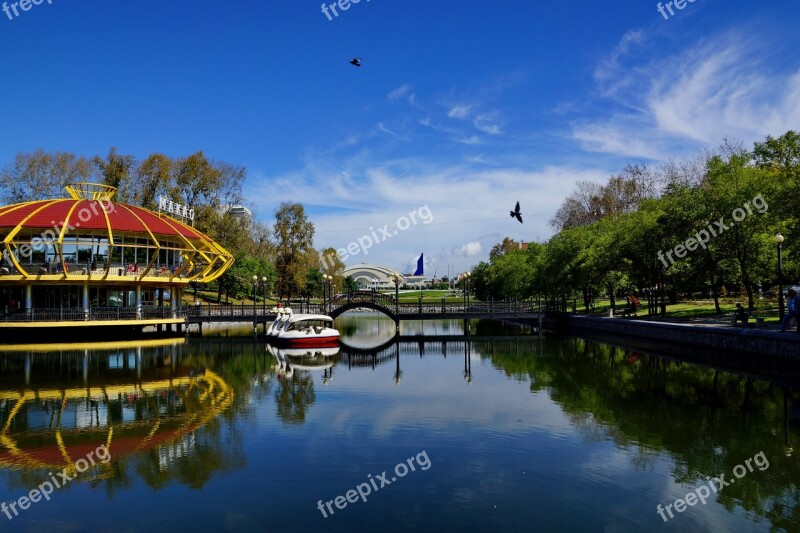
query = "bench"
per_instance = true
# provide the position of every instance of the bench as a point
(741, 315)
(631, 305)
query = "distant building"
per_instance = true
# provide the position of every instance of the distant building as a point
(416, 282)
(374, 276)
(238, 211)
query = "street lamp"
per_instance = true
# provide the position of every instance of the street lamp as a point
(396, 280)
(255, 286)
(264, 294)
(327, 288)
(466, 286)
(779, 241)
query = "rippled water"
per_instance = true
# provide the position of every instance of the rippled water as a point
(505, 431)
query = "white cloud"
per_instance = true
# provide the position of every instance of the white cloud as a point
(460, 112)
(722, 86)
(472, 140)
(469, 203)
(488, 123)
(471, 249)
(398, 93)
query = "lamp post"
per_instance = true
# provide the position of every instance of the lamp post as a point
(466, 297)
(466, 287)
(327, 289)
(255, 286)
(779, 241)
(396, 280)
(264, 294)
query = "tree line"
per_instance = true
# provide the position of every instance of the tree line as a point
(702, 225)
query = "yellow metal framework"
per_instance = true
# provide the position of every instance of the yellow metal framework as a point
(192, 258)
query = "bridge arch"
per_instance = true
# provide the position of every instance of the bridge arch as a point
(363, 305)
(363, 300)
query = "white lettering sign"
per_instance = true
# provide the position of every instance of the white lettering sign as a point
(174, 208)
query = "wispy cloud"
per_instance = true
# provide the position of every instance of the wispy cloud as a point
(398, 93)
(722, 86)
(460, 112)
(488, 123)
(472, 140)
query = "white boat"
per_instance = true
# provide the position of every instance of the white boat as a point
(283, 315)
(303, 330)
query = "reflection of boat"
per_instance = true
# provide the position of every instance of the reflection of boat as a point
(308, 330)
(311, 352)
(290, 359)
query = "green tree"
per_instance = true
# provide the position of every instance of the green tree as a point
(115, 169)
(41, 175)
(293, 240)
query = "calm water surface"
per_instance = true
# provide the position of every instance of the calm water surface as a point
(506, 432)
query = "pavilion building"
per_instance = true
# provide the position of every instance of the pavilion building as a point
(88, 261)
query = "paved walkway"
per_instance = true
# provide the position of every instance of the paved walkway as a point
(715, 321)
(723, 321)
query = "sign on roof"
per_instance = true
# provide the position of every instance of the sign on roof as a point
(174, 208)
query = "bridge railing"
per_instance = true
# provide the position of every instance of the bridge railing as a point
(260, 312)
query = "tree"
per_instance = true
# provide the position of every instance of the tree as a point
(293, 240)
(152, 177)
(115, 170)
(41, 175)
(507, 246)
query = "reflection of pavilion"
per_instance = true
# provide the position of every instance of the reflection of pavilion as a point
(75, 399)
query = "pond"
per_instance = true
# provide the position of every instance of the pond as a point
(501, 430)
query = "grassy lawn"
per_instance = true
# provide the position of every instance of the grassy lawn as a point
(691, 309)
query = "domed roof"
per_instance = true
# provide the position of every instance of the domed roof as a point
(93, 213)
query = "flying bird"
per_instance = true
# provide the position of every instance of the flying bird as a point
(356, 61)
(517, 214)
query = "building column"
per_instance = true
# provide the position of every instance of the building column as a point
(174, 294)
(139, 301)
(28, 299)
(86, 301)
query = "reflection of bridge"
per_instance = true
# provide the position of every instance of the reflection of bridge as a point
(374, 301)
(419, 345)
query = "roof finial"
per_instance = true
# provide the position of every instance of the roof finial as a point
(91, 191)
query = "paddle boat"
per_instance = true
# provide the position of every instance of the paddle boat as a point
(306, 330)
(283, 315)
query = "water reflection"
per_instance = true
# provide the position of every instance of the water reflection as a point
(149, 408)
(199, 412)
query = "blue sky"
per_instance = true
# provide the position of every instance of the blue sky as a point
(465, 107)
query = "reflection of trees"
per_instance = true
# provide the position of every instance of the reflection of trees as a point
(709, 421)
(294, 396)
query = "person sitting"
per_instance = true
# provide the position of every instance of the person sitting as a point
(741, 315)
(631, 305)
(791, 302)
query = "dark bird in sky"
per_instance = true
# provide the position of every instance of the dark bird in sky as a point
(356, 61)
(517, 214)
